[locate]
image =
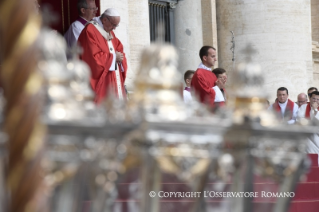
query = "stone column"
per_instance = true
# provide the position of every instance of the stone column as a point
(279, 30)
(315, 40)
(209, 24)
(139, 31)
(315, 19)
(188, 33)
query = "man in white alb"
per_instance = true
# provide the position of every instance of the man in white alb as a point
(284, 107)
(310, 111)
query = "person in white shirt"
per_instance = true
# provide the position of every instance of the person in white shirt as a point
(187, 96)
(87, 10)
(284, 107)
(310, 111)
(302, 99)
(220, 86)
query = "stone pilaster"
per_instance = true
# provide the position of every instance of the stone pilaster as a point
(139, 31)
(315, 19)
(279, 30)
(315, 54)
(188, 33)
(209, 24)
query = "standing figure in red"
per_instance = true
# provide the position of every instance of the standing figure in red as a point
(104, 53)
(204, 80)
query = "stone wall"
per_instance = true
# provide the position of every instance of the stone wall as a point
(315, 54)
(279, 30)
(315, 19)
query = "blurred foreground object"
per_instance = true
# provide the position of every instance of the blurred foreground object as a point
(22, 88)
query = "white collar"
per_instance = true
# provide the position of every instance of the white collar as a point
(202, 66)
(283, 104)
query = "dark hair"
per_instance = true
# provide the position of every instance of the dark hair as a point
(314, 93)
(204, 51)
(218, 71)
(81, 4)
(312, 88)
(187, 74)
(282, 89)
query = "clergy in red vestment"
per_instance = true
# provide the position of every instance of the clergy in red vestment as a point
(204, 80)
(285, 108)
(104, 53)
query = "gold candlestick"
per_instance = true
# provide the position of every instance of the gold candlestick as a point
(22, 84)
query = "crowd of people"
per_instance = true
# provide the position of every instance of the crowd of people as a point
(104, 53)
(102, 50)
(209, 88)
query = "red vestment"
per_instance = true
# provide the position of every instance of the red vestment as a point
(97, 55)
(289, 108)
(308, 109)
(202, 83)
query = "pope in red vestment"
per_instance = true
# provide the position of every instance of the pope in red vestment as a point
(104, 53)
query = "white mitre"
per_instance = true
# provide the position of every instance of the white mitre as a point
(111, 12)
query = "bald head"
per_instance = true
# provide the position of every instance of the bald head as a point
(302, 99)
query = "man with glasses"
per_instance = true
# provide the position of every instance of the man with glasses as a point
(87, 11)
(302, 99)
(104, 53)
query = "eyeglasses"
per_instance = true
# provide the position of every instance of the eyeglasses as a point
(96, 8)
(302, 101)
(114, 25)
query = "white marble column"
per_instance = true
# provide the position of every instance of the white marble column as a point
(315, 19)
(188, 33)
(139, 31)
(279, 30)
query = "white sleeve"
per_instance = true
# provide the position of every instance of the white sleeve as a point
(301, 112)
(187, 96)
(295, 112)
(73, 33)
(77, 31)
(317, 116)
(219, 97)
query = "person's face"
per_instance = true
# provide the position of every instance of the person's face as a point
(36, 6)
(282, 96)
(223, 77)
(310, 91)
(211, 58)
(110, 23)
(90, 12)
(314, 98)
(189, 80)
(301, 100)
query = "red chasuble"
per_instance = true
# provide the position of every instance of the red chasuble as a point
(308, 109)
(289, 107)
(203, 82)
(97, 55)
